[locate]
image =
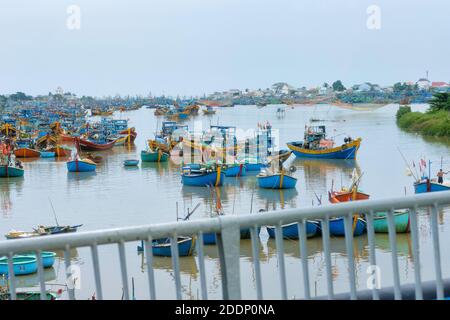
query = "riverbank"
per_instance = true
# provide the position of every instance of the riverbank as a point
(434, 122)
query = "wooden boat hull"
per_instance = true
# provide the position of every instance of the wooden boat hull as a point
(203, 180)
(290, 231)
(157, 156)
(237, 170)
(61, 151)
(21, 265)
(401, 221)
(131, 134)
(346, 151)
(276, 181)
(423, 187)
(81, 166)
(66, 138)
(92, 146)
(337, 227)
(27, 153)
(7, 171)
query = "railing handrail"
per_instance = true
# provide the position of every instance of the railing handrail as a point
(136, 233)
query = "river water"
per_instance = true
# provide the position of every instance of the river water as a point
(116, 197)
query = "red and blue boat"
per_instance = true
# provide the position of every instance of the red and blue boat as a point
(427, 185)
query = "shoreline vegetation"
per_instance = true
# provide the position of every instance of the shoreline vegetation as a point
(434, 122)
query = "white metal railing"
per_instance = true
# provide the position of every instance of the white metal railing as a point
(228, 242)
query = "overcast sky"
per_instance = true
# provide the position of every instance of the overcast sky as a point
(191, 47)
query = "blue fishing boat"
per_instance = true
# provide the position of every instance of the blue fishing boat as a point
(316, 145)
(337, 226)
(276, 181)
(290, 231)
(48, 258)
(202, 177)
(162, 247)
(427, 185)
(22, 265)
(130, 162)
(81, 165)
(257, 166)
(47, 154)
(210, 238)
(235, 170)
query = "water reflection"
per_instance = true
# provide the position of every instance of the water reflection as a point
(9, 186)
(32, 280)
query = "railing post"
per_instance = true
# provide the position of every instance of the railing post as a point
(228, 243)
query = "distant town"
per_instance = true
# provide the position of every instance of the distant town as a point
(420, 91)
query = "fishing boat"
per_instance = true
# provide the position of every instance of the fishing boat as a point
(22, 265)
(401, 221)
(290, 231)
(427, 185)
(280, 180)
(130, 134)
(337, 225)
(47, 154)
(130, 162)
(26, 153)
(89, 145)
(235, 170)
(211, 239)
(41, 231)
(202, 176)
(81, 165)
(11, 170)
(156, 155)
(209, 111)
(48, 258)
(162, 247)
(61, 151)
(317, 145)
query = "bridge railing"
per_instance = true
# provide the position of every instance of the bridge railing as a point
(228, 229)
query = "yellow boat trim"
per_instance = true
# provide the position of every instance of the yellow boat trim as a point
(218, 175)
(281, 179)
(355, 143)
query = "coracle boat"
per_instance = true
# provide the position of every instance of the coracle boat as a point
(48, 258)
(31, 295)
(22, 265)
(401, 221)
(130, 162)
(316, 145)
(47, 154)
(290, 231)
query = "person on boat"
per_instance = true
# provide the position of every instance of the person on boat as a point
(440, 176)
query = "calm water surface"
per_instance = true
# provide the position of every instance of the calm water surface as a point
(116, 196)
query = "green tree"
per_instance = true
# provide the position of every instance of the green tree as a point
(338, 86)
(20, 96)
(440, 101)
